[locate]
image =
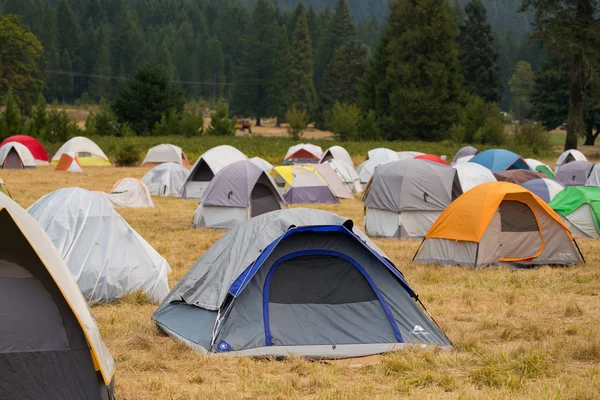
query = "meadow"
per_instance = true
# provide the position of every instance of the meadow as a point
(516, 334)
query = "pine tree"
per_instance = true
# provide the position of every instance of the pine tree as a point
(278, 90)
(478, 55)
(214, 70)
(415, 84)
(521, 88)
(99, 83)
(40, 117)
(10, 122)
(65, 83)
(250, 96)
(302, 91)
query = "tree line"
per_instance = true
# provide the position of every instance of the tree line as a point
(431, 71)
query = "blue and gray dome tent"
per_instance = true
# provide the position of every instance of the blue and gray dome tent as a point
(498, 160)
(296, 281)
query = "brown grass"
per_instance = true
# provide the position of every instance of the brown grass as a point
(517, 334)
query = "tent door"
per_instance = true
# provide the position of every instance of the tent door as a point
(13, 160)
(520, 235)
(262, 200)
(322, 297)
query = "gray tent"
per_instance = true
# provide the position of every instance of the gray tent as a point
(464, 152)
(239, 191)
(406, 197)
(295, 281)
(574, 173)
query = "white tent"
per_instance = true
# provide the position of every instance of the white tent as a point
(569, 156)
(206, 167)
(463, 160)
(166, 179)
(105, 255)
(408, 155)
(594, 177)
(262, 164)
(383, 155)
(471, 175)
(25, 234)
(130, 193)
(303, 152)
(166, 153)
(347, 174)
(337, 153)
(14, 155)
(86, 151)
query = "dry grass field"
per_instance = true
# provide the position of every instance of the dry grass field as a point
(517, 334)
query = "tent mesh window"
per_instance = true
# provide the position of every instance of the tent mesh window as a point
(517, 217)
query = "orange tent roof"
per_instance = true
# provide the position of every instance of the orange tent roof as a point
(468, 217)
(65, 162)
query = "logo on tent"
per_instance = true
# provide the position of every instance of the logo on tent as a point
(224, 346)
(418, 330)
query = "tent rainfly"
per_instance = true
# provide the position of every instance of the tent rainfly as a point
(471, 175)
(68, 162)
(130, 193)
(579, 208)
(498, 223)
(518, 176)
(382, 155)
(406, 197)
(339, 189)
(303, 153)
(166, 179)
(88, 152)
(14, 155)
(105, 255)
(546, 189)
(296, 281)
(539, 166)
(302, 184)
(569, 156)
(575, 173)
(465, 152)
(166, 153)
(337, 153)
(408, 155)
(35, 147)
(239, 191)
(50, 345)
(206, 167)
(432, 158)
(347, 174)
(498, 160)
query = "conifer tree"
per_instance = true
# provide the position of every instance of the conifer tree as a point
(521, 89)
(415, 83)
(278, 91)
(99, 83)
(40, 117)
(478, 55)
(65, 83)
(302, 91)
(10, 121)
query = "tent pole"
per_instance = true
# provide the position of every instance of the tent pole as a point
(418, 249)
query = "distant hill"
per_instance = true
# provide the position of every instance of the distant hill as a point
(503, 15)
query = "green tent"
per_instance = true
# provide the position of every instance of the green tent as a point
(580, 208)
(545, 170)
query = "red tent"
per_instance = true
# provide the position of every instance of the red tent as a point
(35, 147)
(431, 157)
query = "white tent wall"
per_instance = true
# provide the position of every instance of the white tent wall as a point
(404, 224)
(219, 217)
(581, 222)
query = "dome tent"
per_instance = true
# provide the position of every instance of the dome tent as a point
(579, 208)
(498, 160)
(166, 153)
(518, 176)
(404, 198)
(105, 255)
(539, 166)
(498, 223)
(14, 155)
(383, 155)
(296, 281)
(471, 175)
(205, 168)
(262, 164)
(35, 147)
(594, 177)
(575, 173)
(88, 152)
(130, 193)
(347, 174)
(302, 184)
(568, 157)
(337, 153)
(239, 191)
(166, 179)
(303, 153)
(431, 158)
(467, 151)
(546, 189)
(50, 343)
(69, 163)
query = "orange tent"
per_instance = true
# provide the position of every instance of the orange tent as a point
(66, 163)
(498, 222)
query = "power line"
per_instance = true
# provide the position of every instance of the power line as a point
(110, 77)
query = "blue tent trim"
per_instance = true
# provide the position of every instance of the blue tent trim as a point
(242, 281)
(267, 286)
(498, 160)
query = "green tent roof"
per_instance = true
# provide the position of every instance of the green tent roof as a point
(573, 197)
(546, 171)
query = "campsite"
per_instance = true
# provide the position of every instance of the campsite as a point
(519, 333)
